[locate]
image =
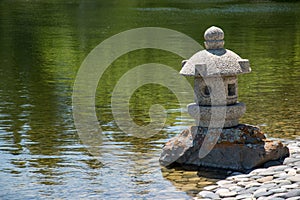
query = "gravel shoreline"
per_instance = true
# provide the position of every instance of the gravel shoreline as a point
(280, 182)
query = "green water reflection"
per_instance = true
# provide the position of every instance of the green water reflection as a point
(43, 45)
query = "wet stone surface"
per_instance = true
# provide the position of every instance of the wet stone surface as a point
(274, 182)
(239, 148)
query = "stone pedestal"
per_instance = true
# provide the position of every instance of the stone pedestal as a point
(240, 148)
(202, 114)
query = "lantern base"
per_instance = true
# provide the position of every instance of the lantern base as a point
(217, 116)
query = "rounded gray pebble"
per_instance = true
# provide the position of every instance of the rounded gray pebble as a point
(219, 190)
(292, 186)
(278, 190)
(292, 193)
(279, 168)
(244, 196)
(253, 184)
(228, 194)
(209, 194)
(210, 187)
(235, 188)
(295, 178)
(282, 182)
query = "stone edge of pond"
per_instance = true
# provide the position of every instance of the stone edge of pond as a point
(276, 182)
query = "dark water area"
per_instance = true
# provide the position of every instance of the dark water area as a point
(42, 46)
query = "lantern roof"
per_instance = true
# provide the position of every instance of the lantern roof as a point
(215, 60)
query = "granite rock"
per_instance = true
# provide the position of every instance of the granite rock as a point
(240, 148)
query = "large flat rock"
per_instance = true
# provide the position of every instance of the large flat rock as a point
(241, 148)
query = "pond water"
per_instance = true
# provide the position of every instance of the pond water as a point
(42, 45)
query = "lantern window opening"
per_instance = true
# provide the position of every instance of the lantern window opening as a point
(207, 90)
(231, 90)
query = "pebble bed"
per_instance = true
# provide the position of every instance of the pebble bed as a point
(280, 182)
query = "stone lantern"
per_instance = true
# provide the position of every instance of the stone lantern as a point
(208, 67)
(226, 143)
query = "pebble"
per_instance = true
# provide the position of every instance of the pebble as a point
(209, 194)
(272, 183)
(282, 182)
(297, 163)
(228, 194)
(292, 172)
(222, 190)
(292, 186)
(223, 182)
(292, 193)
(210, 187)
(278, 168)
(294, 179)
(253, 184)
(235, 188)
(265, 179)
(282, 175)
(278, 190)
